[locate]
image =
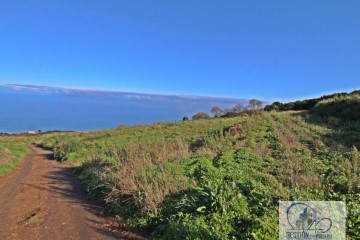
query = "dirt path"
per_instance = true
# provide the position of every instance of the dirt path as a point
(42, 200)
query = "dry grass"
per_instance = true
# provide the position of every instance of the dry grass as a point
(5, 156)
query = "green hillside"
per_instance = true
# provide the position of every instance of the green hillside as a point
(221, 178)
(309, 103)
(345, 108)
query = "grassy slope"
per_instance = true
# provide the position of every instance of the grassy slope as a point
(218, 178)
(12, 150)
(310, 103)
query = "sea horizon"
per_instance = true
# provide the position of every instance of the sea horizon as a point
(32, 108)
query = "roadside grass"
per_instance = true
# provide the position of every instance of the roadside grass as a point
(12, 150)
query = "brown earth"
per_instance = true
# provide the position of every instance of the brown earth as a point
(41, 199)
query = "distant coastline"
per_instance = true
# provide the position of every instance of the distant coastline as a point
(28, 108)
(27, 133)
(125, 94)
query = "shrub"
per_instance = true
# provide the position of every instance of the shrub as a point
(200, 115)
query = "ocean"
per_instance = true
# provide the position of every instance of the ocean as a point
(33, 108)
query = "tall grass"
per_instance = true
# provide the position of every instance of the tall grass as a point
(216, 178)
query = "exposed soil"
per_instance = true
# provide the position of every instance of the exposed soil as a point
(41, 199)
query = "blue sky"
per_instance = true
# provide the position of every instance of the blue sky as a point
(273, 50)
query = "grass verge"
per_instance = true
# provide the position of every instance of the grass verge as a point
(12, 150)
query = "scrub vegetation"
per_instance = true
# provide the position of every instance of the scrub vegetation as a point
(222, 178)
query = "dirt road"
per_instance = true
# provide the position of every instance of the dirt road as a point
(42, 200)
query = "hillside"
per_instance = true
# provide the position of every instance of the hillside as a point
(309, 103)
(219, 178)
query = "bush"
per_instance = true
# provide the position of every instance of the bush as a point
(232, 200)
(200, 115)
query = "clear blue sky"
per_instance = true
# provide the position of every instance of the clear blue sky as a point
(267, 49)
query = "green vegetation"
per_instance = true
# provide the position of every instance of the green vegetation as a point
(239, 109)
(12, 150)
(220, 178)
(34, 218)
(308, 103)
(200, 115)
(343, 108)
(341, 113)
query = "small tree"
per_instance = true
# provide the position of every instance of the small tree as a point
(238, 108)
(216, 111)
(227, 110)
(200, 115)
(255, 104)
